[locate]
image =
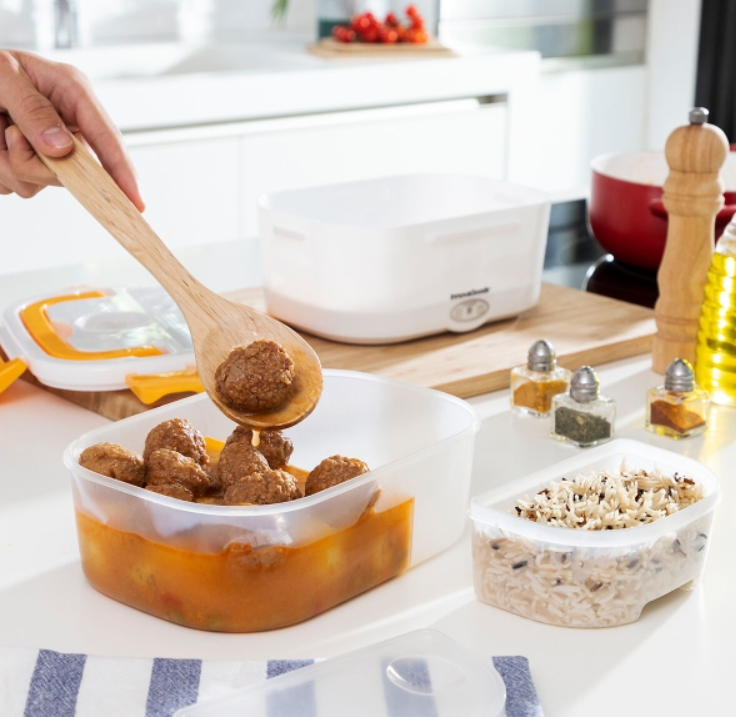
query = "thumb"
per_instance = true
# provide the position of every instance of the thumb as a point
(37, 119)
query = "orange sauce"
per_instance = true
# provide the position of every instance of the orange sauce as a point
(243, 589)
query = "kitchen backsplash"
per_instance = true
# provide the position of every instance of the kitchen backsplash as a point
(33, 23)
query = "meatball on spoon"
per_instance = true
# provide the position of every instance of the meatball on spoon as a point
(218, 327)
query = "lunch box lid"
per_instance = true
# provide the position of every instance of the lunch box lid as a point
(422, 673)
(92, 338)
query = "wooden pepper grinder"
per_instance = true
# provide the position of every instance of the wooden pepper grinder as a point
(693, 195)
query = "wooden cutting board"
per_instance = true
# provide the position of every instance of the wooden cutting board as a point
(332, 49)
(584, 329)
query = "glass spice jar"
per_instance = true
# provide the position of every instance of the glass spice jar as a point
(533, 386)
(583, 416)
(678, 409)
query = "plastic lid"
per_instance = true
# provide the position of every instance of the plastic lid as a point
(422, 674)
(90, 339)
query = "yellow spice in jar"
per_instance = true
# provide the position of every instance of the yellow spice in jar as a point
(537, 395)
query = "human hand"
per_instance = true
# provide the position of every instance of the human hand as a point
(40, 103)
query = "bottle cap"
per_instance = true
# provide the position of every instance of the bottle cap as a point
(698, 115)
(542, 356)
(584, 385)
(679, 376)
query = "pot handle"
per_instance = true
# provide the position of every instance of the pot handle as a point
(656, 207)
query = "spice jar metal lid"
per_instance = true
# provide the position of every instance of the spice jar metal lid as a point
(679, 376)
(584, 385)
(542, 356)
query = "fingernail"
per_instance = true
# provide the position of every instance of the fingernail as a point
(8, 137)
(57, 138)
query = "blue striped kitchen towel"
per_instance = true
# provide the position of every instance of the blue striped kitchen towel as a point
(43, 683)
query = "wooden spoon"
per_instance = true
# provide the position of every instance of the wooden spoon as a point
(216, 325)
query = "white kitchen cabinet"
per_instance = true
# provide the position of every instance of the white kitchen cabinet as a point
(201, 184)
(191, 189)
(464, 136)
(584, 112)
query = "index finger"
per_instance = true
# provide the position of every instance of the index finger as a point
(71, 93)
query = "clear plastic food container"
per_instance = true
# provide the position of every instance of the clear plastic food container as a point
(589, 578)
(420, 674)
(250, 568)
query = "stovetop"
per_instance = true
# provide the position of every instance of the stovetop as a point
(574, 258)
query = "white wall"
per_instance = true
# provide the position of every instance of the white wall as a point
(672, 59)
(16, 22)
(583, 113)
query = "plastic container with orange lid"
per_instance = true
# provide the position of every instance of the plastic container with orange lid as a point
(103, 339)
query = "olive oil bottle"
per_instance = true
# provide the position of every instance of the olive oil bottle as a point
(715, 358)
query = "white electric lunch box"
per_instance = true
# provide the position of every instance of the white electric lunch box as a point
(390, 259)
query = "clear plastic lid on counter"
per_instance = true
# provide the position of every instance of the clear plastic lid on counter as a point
(422, 674)
(91, 339)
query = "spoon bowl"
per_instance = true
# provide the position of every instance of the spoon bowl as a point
(217, 326)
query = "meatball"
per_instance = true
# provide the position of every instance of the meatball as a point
(256, 377)
(238, 460)
(333, 471)
(274, 446)
(263, 488)
(114, 461)
(177, 435)
(215, 488)
(173, 490)
(167, 467)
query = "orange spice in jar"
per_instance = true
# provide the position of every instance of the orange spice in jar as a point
(533, 386)
(678, 409)
(536, 396)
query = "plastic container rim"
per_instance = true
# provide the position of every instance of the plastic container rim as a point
(483, 515)
(540, 198)
(71, 455)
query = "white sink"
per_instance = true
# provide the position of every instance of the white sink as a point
(166, 59)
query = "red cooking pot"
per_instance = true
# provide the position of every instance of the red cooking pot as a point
(626, 214)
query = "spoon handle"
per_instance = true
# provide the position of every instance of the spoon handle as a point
(98, 193)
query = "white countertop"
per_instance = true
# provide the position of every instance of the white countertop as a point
(673, 661)
(166, 85)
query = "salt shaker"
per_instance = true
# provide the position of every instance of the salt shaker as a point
(678, 409)
(583, 416)
(534, 385)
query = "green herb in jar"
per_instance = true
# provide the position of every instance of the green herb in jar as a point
(581, 427)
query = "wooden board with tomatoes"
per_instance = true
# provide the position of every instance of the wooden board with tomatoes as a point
(366, 35)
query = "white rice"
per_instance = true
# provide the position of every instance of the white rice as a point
(593, 586)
